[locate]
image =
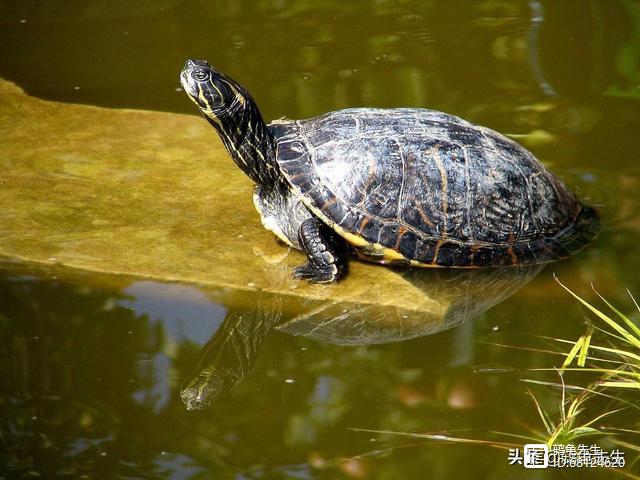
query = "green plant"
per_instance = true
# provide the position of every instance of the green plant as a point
(623, 346)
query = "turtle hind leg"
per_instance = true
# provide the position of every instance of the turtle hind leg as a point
(326, 253)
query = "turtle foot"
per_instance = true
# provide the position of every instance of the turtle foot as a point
(325, 252)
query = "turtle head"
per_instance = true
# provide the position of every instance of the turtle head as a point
(231, 110)
(202, 389)
(216, 95)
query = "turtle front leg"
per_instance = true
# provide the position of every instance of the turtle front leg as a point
(327, 253)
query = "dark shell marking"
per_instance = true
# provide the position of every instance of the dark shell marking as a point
(436, 189)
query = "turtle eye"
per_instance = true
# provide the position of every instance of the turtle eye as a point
(201, 75)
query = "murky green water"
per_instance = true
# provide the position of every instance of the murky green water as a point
(92, 366)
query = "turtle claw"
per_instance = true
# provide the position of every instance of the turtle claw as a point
(313, 274)
(301, 272)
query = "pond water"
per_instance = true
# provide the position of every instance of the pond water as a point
(93, 365)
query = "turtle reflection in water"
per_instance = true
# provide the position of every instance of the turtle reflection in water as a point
(405, 186)
(452, 296)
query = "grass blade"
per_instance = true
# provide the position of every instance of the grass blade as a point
(573, 352)
(621, 384)
(608, 320)
(622, 316)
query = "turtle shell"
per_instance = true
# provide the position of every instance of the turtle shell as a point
(427, 188)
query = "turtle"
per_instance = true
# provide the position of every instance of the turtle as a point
(406, 187)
